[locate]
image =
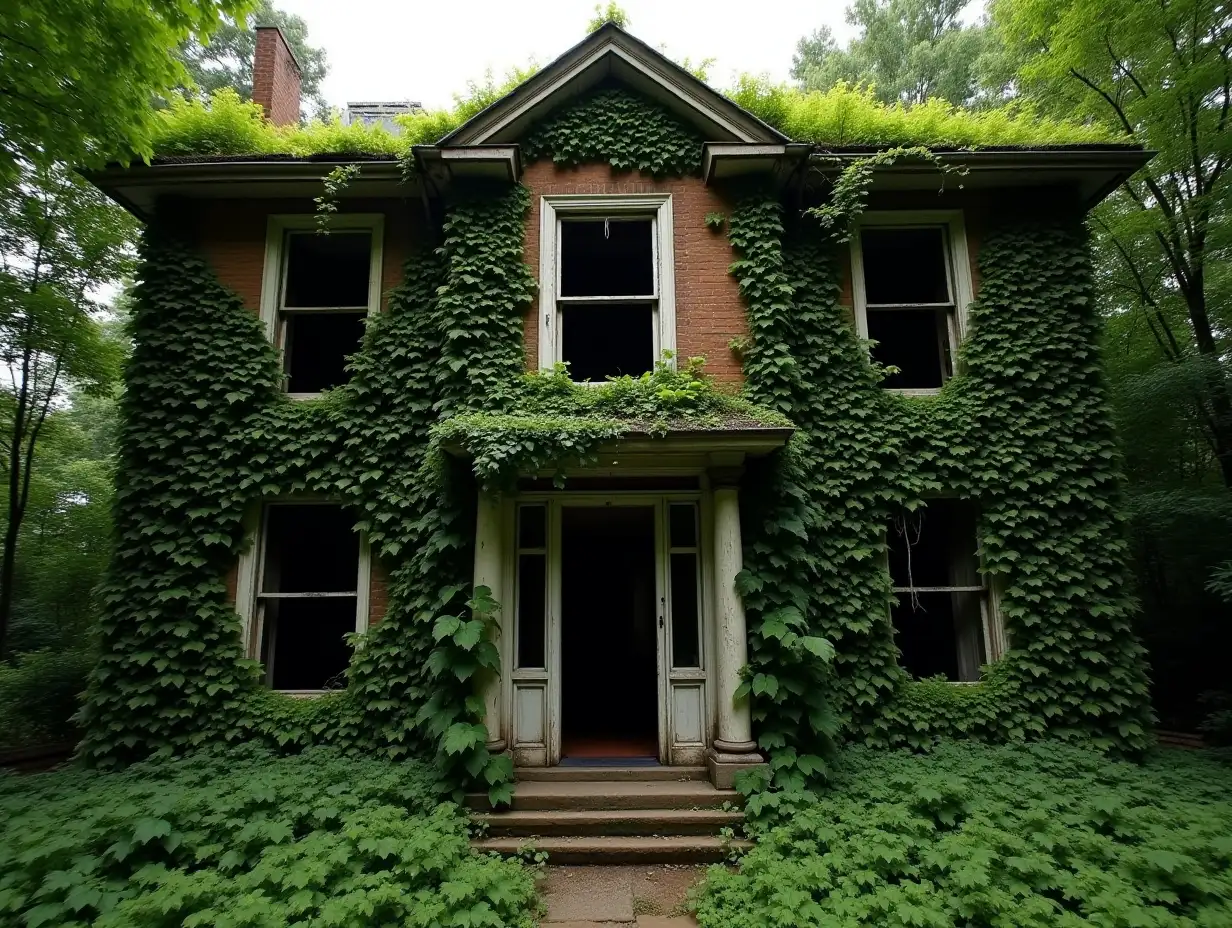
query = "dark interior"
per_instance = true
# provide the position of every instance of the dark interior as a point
(904, 265)
(316, 346)
(605, 340)
(601, 257)
(924, 631)
(328, 270)
(309, 549)
(609, 685)
(909, 339)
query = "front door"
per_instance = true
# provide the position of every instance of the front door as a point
(607, 652)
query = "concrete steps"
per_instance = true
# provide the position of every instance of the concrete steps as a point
(610, 815)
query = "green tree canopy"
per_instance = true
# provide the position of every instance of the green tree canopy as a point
(77, 76)
(909, 50)
(225, 60)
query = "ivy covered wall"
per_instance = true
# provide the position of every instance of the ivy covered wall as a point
(1024, 430)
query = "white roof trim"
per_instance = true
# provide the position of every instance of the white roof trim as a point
(608, 44)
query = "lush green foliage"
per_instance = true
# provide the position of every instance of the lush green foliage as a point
(40, 692)
(847, 115)
(1044, 835)
(246, 838)
(1035, 451)
(623, 129)
(78, 76)
(227, 59)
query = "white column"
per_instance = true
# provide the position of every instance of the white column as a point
(488, 571)
(735, 729)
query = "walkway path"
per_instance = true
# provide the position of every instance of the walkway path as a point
(605, 897)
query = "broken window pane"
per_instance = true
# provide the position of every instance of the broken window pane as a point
(328, 270)
(905, 266)
(316, 346)
(309, 550)
(602, 257)
(685, 651)
(607, 340)
(938, 614)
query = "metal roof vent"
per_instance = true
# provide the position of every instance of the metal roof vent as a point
(381, 113)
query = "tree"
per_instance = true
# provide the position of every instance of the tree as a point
(612, 13)
(1161, 73)
(60, 240)
(909, 50)
(225, 60)
(77, 76)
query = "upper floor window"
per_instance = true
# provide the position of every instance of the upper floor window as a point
(303, 588)
(317, 290)
(607, 301)
(912, 284)
(944, 617)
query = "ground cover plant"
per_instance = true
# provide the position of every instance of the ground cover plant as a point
(977, 835)
(245, 838)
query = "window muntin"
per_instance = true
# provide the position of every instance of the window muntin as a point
(607, 301)
(308, 595)
(684, 576)
(911, 288)
(316, 292)
(942, 605)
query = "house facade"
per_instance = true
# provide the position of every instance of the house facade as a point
(673, 593)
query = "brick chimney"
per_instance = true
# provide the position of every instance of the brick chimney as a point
(275, 77)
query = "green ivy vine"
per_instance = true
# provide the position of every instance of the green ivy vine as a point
(1037, 453)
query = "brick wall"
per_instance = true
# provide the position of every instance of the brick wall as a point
(275, 77)
(709, 312)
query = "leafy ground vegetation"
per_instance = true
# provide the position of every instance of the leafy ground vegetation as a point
(1039, 836)
(248, 839)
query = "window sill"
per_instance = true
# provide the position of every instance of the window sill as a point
(305, 694)
(913, 391)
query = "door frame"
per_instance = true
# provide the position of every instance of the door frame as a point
(537, 692)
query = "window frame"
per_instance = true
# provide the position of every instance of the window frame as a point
(957, 269)
(274, 275)
(250, 569)
(557, 208)
(992, 626)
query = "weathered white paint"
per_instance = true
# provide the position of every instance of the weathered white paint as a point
(735, 729)
(488, 567)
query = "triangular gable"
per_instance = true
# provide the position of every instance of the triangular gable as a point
(611, 54)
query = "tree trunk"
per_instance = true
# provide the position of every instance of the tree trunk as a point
(7, 569)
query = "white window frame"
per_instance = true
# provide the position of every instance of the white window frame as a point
(958, 273)
(251, 564)
(554, 208)
(274, 274)
(991, 621)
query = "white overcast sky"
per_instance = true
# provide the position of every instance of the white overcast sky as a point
(391, 50)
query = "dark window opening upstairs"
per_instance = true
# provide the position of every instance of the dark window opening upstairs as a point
(601, 257)
(325, 300)
(940, 599)
(308, 595)
(909, 306)
(607, 340)
(316, 346)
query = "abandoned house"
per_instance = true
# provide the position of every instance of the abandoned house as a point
(623, 633)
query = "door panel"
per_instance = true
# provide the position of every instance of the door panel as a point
(682, 658)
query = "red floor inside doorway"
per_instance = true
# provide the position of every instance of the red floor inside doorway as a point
(609, 747)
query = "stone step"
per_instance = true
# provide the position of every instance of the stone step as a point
(598, 795)
(609, 774)
(610, 823)
(680, 849)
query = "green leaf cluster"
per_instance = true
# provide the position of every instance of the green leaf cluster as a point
(1038, 836)
(247, 838)
(1024, 430)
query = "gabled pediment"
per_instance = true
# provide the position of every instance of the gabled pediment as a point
(605, 57)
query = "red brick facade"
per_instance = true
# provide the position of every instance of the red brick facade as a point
(709, 312)
(275, 77)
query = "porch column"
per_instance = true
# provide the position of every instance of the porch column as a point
(488, 570)
(733, 749)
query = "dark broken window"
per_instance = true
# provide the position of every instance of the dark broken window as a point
(608, 297)
(940, 611)
(909, 303)
(325, 300)
(308, 595)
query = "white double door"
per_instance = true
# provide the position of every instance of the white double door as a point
(609, 599)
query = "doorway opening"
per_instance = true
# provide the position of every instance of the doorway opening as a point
(609, 678)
